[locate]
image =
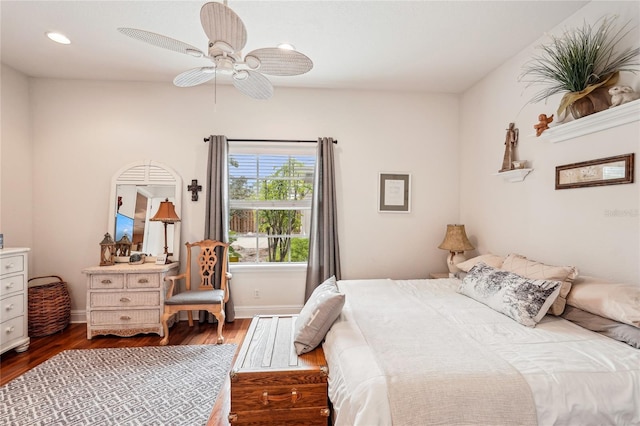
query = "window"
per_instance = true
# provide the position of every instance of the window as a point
(270, 190)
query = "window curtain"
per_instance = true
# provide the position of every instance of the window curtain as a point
(216, 226)
(324, 252)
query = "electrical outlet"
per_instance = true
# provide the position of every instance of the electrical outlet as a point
(256, 294)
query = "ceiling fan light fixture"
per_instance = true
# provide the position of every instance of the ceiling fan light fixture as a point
(286, 46)
(252, 62)
(241, 75)
(58, 37)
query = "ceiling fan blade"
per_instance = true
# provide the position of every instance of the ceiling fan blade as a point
(162, 41)
(253, 84)
(277, 61)
(194, 76)
(221, 24)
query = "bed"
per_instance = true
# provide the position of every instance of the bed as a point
(418, 352)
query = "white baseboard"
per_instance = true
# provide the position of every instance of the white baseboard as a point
(251, 311)
(78, 316)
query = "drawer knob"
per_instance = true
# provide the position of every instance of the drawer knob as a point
(143, 280)
(125, 299)
(106, 281)
(10, 330)
(8, 266)
(10, 307)
(266, 398)
(9, 285)
(125, 317)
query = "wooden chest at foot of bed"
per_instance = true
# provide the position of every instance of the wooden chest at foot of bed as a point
(271, 384)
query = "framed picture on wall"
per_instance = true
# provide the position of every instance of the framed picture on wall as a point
(603, 171)
(394, 192)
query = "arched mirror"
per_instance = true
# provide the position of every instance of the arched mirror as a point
(137, 190)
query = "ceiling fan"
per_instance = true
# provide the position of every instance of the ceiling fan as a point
(227, 37)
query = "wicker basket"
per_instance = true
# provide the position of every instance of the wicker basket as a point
(49, 307)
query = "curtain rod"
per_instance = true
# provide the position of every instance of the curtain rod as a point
(269, 140)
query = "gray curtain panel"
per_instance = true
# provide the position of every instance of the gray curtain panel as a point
(216, 226)
(324, 251)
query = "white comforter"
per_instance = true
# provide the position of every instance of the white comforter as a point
(576, 377)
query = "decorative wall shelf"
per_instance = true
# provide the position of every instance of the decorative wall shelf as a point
(516, 175)
(602, 120)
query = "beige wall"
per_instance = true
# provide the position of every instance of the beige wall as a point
(573, 226)
(84, 131)
(16, 164)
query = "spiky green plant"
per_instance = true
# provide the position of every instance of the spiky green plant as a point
(580, 58)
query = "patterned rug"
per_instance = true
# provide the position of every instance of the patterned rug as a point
(156, 385)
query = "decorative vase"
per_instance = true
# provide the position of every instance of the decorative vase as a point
(595, 101)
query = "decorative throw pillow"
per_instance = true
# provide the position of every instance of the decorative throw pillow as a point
(317, 316)
(523, 299)
(531, 269)
(617, 301)
(488, 259)
(607, 327)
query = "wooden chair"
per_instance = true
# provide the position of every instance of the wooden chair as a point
(205, 297)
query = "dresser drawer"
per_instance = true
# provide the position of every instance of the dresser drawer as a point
(11, 264)
(11, 307)
(125, 317)
(13, 284)
(143, 281)
(107, 281)
(12, 329)
(125, 299)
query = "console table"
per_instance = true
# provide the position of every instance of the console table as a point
(126, 300)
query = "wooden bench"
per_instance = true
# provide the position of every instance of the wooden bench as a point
(271, 384)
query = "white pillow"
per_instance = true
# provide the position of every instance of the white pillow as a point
(531, 269)
(488, 259)
(317, 316)
(616, 301)
(523, 299)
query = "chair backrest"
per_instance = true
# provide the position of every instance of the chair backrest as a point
(207, 254)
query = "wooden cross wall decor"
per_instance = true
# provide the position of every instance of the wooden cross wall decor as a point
(194, 188)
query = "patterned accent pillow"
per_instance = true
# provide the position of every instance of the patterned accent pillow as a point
(531, 269)
(489, 259)
(317, 316)
(523, 299)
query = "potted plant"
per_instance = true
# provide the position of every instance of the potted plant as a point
(582, 63)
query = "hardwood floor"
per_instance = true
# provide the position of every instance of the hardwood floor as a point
(13, 364)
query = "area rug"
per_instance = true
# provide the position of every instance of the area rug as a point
(155, 385)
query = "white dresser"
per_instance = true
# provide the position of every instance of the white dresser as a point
(14, 264)
(126, 299)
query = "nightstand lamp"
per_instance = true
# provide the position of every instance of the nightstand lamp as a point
(456, 242)
(166, 214)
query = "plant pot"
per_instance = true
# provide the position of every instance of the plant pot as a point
(596, 101)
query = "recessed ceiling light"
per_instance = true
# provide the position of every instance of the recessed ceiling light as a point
(286, 46)
(58, 38)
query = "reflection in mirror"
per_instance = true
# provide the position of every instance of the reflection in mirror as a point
(136, 205)
(136, 193)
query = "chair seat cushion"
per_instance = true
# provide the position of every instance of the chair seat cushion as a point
(197, 297)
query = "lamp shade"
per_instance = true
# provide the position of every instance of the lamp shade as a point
(166, 213)
(456, 239)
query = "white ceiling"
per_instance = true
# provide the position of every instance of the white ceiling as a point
(436, 46)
